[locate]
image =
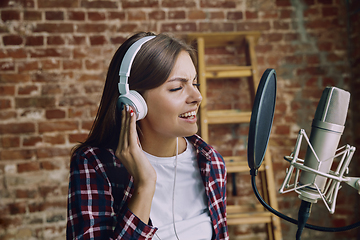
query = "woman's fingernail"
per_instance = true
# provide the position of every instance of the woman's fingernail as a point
(127, 108)
(131, 112)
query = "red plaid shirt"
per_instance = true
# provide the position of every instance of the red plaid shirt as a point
(100, 187)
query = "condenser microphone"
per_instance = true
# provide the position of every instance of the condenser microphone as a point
(326, 130)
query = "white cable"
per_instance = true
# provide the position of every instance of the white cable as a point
(173, 198)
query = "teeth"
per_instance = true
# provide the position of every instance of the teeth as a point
(188, 114)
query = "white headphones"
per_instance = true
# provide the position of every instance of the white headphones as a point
(131, 97)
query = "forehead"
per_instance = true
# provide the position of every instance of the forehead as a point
(184, 67)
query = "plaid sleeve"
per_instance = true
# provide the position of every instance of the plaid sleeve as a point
(91, 212)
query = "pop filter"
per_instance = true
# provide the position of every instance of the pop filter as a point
(259, 132)
(261, 120)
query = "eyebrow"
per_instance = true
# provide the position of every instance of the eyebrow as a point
(181, 79)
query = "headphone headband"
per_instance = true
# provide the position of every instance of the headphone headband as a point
(127, 61)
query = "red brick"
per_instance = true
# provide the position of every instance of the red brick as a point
(251, 14)
(54, 27)
(32, 15)
(325, 46)
(77, 137)
(27, 89)
(136, 15)
(87, 125)
(283, 3)
(26, 193)
(20, 3)
(30, 141)
(76, 15)
(7, 115)
(59, 125)
(17, 53)
(139, 4)
(180, 27)
(93, 64)
(178, 3)
(99, 4)
(10, 142)
(5, 104)
(7, 90)
(36, 102)
(57, 4)
(50, 52)
(52, 152)
(217, 4)
(253, 26)
(281, 25)
(318, 24)
(96, 16)
(28, 167)
(77, 40)
(54, 15)
(7, 66)
(9, 15)
(97, 40)
(325, 1)
(117, 40)
(270, 14)
(312, 59)
(330, 11)
(50, 64)
(286, 14)
(54, 140)
(18, 154)
(217, 15)
(34, 41)
(235, 15)
(16, 128)
(55, 113)
(92, 28)
(12, 40)
(176, 15)
(116, 15)
(72, 64)
(48, 165)
(196, 14)
(157, 15)
(17, 208)
(55, 40)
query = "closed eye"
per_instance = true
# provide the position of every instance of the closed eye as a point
(175, 89)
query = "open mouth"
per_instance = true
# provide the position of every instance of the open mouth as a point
(188, 115)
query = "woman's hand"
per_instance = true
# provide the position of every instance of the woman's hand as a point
(137, 164)
(130, 153)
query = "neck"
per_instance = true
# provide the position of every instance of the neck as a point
(162, 147)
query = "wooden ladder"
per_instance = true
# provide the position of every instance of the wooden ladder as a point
(236, 214)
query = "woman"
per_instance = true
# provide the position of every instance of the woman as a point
(152, 178)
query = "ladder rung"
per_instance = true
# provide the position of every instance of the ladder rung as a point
(236, 209)
(249, 218)
(227, 116)
(216, 39)
(228, 71)
(239, 164)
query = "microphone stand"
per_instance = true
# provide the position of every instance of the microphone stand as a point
(303, 215)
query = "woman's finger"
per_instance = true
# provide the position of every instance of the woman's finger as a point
(133, 138)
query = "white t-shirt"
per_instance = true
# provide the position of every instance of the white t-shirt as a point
(192, 218)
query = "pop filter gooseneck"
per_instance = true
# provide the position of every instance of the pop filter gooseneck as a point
(259, 132)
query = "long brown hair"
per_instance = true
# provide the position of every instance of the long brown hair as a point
(151, 67)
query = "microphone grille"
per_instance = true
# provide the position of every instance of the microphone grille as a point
(333, 106)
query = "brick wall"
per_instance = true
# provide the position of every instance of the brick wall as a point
(53, 61)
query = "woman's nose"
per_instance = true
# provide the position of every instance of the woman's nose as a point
(195, 96)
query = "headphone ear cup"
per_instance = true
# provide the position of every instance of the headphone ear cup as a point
(136, 101)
